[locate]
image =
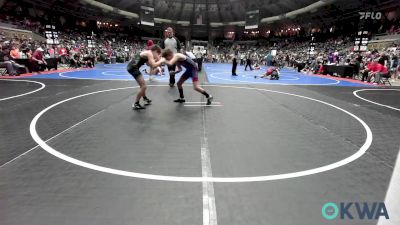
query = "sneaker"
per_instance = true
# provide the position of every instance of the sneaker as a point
(171, 85)
(147, 101)
(151, 78)
(209, 100)
(180, 100)
(137, 106)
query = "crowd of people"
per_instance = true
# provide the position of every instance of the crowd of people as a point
(23, 53)
(78, 48)
(72, 51)
(296, 54)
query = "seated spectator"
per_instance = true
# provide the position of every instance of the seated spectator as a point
(14, 53)
(366, 71)
(28, 54)
(76, 60)
(377, 71)
(51, 51)
(38, 61)
(321, 67)
(63, 55)
(88, 59)
(13, 68)
(394, 66)
(356, 65)
(6, 64)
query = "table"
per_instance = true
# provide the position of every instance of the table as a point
(51, 63)
(342, 71)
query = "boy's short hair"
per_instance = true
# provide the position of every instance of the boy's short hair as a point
(167, 52)
(156, 48)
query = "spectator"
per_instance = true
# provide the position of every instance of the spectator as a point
(63, 55)
(38, 62)
(76, 60)
(6, 64)
(269, 59)
(394, 66)
(377, 71)
(234, 65)
(52, 51)
(199, 58)
(248, 64)
(14, 53)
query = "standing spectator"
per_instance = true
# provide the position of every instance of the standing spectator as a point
(234, 65)
(331, 58)
(248, 64)
(287, 60)
(394, 65)
(269, 59)
(171, 42)
(199, 58)
(242, 59)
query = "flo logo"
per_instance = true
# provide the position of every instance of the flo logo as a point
(372, 15)
(354, 210)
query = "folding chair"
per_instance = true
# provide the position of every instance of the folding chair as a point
(3, 71)
(385, 80)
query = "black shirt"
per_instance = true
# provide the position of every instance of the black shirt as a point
(2, 56)
(383, 59)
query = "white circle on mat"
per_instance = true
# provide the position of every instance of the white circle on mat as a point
(27, 93)
(355, 93)
(115, 73)
(282, 176)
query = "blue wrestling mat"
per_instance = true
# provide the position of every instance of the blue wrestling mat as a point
(221, 74)
(216, 73)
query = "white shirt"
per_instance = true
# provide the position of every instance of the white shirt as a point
(171, 44)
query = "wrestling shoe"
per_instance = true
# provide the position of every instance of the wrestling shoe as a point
(147, 101)
(180, 100)
(209, 100)
(137, 106)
